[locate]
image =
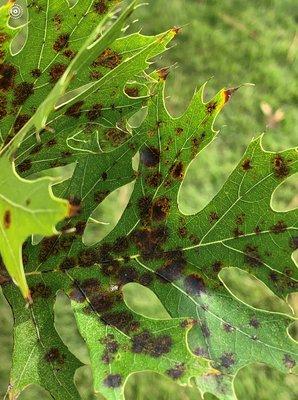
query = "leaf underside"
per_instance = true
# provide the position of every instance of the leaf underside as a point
(211, 334)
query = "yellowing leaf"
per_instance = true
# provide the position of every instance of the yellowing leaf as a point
(26, 208)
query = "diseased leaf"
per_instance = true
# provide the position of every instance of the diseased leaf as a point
(26, 208)
(211, 334)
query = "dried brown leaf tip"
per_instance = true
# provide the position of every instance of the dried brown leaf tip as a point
(228, 93)
(163, 73)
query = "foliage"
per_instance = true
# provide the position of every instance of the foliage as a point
(178, 257)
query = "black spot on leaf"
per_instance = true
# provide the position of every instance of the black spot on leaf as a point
(113, 381)
(194, 284)
(177, 371)
(150, 156)
(289, 361)
(227, 360)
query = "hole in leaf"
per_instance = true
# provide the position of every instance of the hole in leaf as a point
(143, 301)
(84, 383)
(150, 385)
(35, 392)
(66, 327)
(198, 188)
(106, 216)
(252, 291)
(285, 197)
(20, 39)
(258, 381)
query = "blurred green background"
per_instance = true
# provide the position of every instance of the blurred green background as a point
(233, 41)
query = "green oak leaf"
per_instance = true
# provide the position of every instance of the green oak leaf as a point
(27, 207)
(210, 334)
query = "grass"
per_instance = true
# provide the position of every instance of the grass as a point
(234, 41)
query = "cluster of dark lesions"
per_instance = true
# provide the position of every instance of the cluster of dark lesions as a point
(120, 330)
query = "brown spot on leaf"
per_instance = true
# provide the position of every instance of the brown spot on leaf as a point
(101, 195)
(127, 274)
(7, 219)
(228, 93)
(160, 208)
(22, 92)
(61, 42)
(100, 7)
(68, 263)
(57, 21)
(116, 136)
(87, 258)
(179, 131)
(123, 321)
(68, 53)
(7, 76)
(237, 232)
(20, 121)
(53, 355)
(155, 346)
(121, 244)
(3, 106)
(132, 91)
(217, 266)
(246, 165)
(279, 227)
(149, 241)
(154, 180)
(75, 109)
(95, 75)
(294, 243)
(36, 73)
(40, 291)
(109, 59)
(163, 73)
(24, 166)
(255, 323)
(177, 170)
(210, 107)
(252, 256)
(94, 112)
(213, 217)
(182, 231)
(56, 71)
(280, 166)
